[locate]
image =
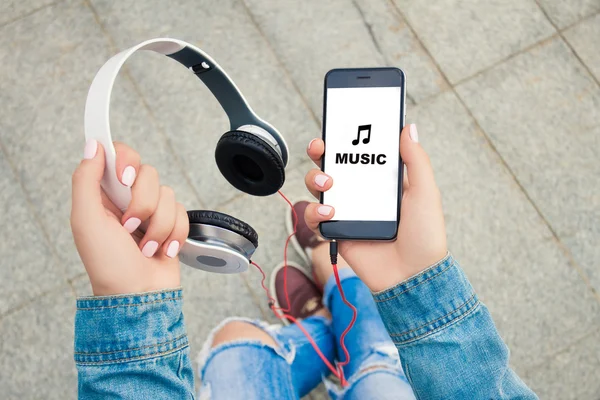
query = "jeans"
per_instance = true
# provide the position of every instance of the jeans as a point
(249, 369)
(135, 346)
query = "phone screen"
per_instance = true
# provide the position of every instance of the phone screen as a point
(362, 133)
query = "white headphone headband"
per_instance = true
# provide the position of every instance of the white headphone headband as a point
(97, 123)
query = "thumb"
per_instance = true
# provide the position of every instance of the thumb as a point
(86, 190)
(418, 166)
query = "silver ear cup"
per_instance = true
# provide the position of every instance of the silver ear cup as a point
(264, 135)
(214, 249)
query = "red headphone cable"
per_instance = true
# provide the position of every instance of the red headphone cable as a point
(338, 369)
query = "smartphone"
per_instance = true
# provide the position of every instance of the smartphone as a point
(363, 114)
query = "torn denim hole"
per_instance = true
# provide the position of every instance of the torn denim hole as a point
(387, 349)
(286, 350)
(383, 357)
(204, 393)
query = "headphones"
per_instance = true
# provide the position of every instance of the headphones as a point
(252, 156)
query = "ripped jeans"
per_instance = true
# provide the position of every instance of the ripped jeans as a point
(134, 346)
(249, 369)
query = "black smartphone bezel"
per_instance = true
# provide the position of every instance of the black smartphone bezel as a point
(364, 77)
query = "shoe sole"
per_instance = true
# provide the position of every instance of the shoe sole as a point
(289, 226)
(272, 283)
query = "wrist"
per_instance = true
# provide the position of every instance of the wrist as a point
(398, 271)
(125, 289)
(383, 279)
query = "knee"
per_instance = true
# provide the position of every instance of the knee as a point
(240, 330)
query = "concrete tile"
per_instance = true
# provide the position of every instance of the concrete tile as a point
(565, 13)
(28, 266)
(51, 82)
(571, 374)
(540, 110)
(465, 37)
(14, 9)
(400, 48)
(312, 37)
(36, 350)
(361, 33)
(582, 37)
(187, 112)
(500, 241)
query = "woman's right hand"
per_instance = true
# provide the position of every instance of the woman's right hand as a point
(421, 240)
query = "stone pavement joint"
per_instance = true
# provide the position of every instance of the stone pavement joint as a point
(557, 240)
(369, 28)
(560, 33)
(27, 14)
(316, 119)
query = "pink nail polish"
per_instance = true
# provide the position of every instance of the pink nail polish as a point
(172, 249)
(321, 180)
(324, 210)
(132, 224)
(310, 143)
(414, 135)
(150, 248)
(90, 149)
(128, 176)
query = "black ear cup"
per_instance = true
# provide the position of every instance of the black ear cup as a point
(224, 221)
(249, 163)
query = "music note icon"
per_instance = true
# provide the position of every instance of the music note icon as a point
(362, 128)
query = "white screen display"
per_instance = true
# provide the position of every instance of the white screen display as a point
(362, 134)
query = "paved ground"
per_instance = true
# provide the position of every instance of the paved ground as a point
(505, 93)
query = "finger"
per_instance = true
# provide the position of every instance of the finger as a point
(145, 194)
(316, 213)
(110, 206)
(86, 190)
(418, 166)
(316, 149)
(180, 232)
(404, 178)
(127, 164)
(161, 222)
(317, 182)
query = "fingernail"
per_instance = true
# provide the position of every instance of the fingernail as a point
(132, 224)
(324, 210)
(414, 135)
(172, 249)
(90, 149)
(150, 248)
(128, 176)
(310, 143)
(321, 180)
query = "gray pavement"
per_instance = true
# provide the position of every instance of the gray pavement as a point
(506, 95)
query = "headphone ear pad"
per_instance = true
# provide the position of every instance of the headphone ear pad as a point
(249, 163)
(224, 221)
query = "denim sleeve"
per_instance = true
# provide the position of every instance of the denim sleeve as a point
(447, 341)
(132, 347)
